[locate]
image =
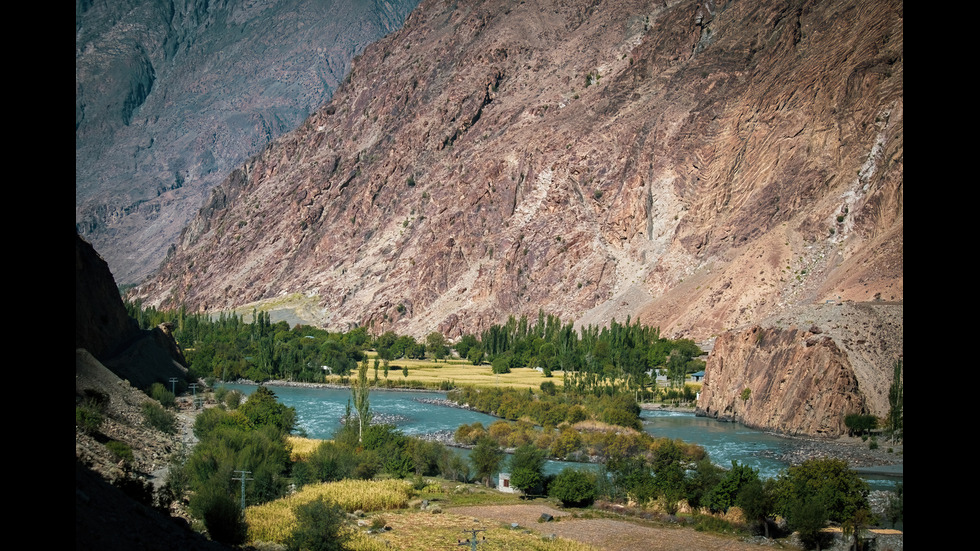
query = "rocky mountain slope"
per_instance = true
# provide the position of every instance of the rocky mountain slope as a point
(113, 361)
(170, 96)
(700, 166)
(803, 374)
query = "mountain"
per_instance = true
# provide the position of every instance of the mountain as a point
(699, 165)
(170, 96)
(717, 169)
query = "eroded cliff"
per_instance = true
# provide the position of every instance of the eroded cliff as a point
(697, 165)
(802, 374)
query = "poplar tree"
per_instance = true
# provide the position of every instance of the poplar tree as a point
(361, 390)
(896, 399)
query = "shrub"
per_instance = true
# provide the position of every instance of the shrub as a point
(574, 488)
(121, 450)
(711, 523)
(160, 393)
(221, 514)
(319, 527)
(233, 399)
(88, 419)
(155, 416)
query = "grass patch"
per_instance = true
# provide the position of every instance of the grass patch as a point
(416, 530)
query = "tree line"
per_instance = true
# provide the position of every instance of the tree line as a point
(620, 358)
(623, 357)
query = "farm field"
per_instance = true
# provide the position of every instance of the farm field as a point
(430, 374)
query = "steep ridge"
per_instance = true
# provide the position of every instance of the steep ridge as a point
(804, 373)
(699, 165)
(170, 96)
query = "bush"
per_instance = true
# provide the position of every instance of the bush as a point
(574, 488)
(221, 514)
(319, 527)
(90, 413)
(121, 450)
(160, 393)
(232, 399)
(88, 419)
(155, 416)
(711, 523)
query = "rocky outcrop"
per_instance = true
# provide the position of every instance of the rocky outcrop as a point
(102, 325)
(787, 380)
(804, 381)
(104, 329)
(170, 96)
(699, 166)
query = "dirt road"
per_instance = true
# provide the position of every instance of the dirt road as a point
(604, 533)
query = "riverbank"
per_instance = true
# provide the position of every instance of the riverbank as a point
(887, 460)
(334, 386)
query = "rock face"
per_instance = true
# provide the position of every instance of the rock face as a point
(798, 382)
(170, 96)
(102, 325)
(114, 340)
(804, 381)
(699, 165)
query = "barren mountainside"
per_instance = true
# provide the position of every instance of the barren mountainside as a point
(171, 96)
(698, 165)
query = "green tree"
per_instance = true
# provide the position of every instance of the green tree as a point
(501, 364)
(486, 458)
(895, 508)
(808, 518)
(360, 391)
(475, 354)
(466, 342)
(702, 481)
(573, 487)
(436, 345)
(828, 482)
(264, 408)
(527, 469)
(221, 514)
(319, 527)
(896, 402)
(857, 423)
(852, 527)
(724, 495)
(755, 500)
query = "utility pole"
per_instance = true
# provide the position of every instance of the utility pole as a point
(243, 478)
(173, 385)
(472, 541)
(193, 387)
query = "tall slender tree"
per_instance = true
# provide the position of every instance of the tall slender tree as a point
(361, 390)
(896, 399)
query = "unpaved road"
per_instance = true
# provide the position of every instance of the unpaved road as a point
(607, 534)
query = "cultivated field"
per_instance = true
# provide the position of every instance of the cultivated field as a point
(430, 374)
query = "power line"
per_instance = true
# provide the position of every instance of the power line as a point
(472, 541)
(243, 478)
